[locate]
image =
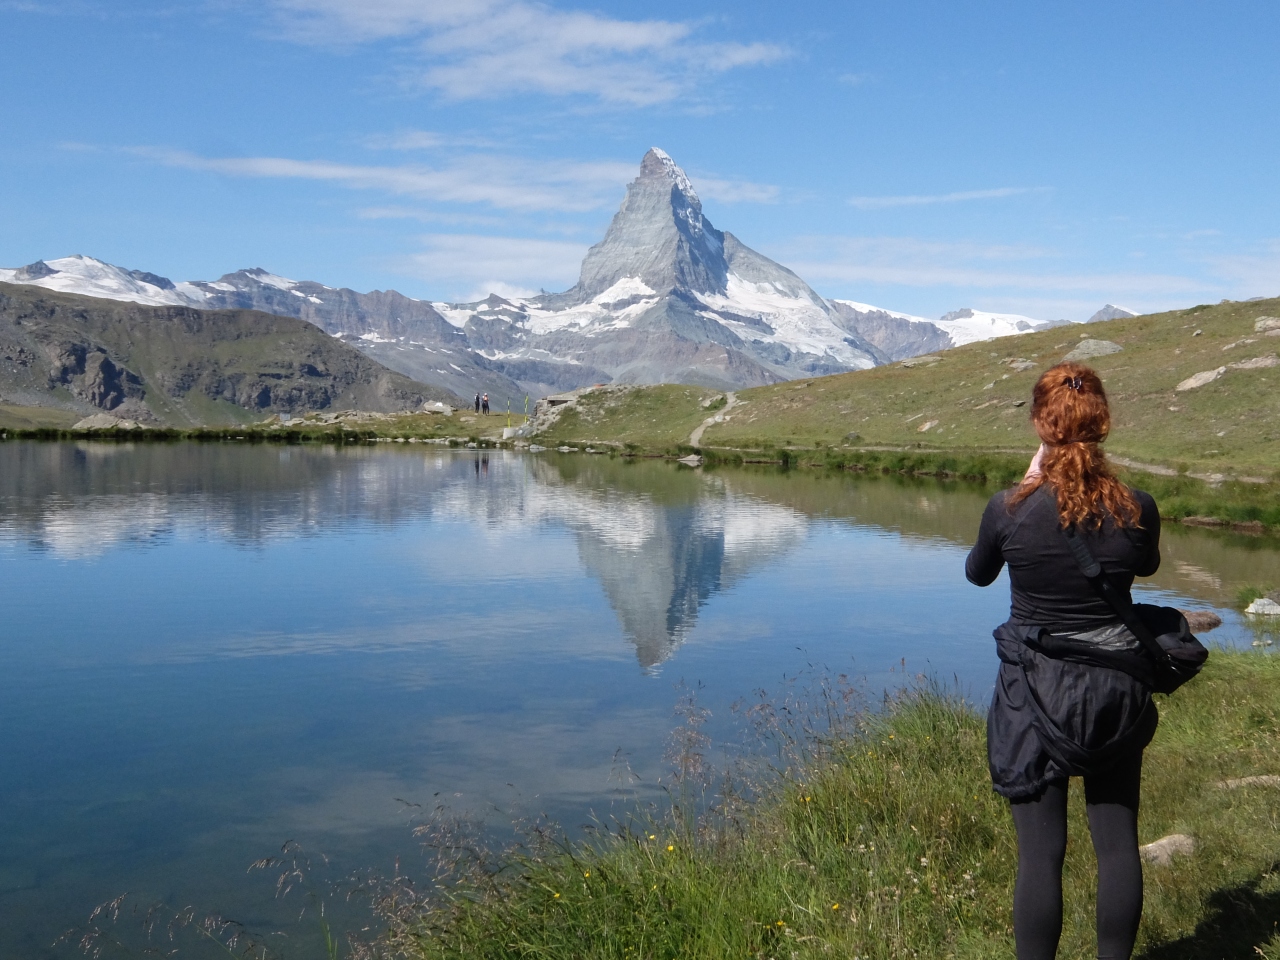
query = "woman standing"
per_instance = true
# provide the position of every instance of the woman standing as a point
(1071, 697)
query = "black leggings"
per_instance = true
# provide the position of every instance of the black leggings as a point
(1111, 800)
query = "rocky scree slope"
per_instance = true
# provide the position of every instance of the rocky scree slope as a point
(180, 366)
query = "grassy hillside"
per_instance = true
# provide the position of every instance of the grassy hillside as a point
(974, 398)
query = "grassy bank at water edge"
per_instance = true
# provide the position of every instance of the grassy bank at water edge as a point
(876, 835)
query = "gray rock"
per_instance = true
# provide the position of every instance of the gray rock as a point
(894, 337)
(1195, 381)
(1256, 363)
(1162, 851)
(1088, 349)
(693, 460)
(1262, 780)
(104, 421)
(1202, 621)
(1263, 607)
(1262, 324)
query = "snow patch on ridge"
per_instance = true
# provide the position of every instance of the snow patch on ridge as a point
(624, 289)
(970, 326)
(871, 308)
(676, 175)
(271, 280)
(797, 322)
(94, 278)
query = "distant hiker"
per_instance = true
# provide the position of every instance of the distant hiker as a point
(484, 405)
(1073, 694)
(477, 403)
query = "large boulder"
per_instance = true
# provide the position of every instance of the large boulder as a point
(1088, 349)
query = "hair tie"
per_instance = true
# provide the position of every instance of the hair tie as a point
(1075, 383)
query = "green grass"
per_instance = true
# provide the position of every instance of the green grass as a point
(878, 836)
(970, 392)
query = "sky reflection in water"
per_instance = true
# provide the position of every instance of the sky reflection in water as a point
(211, 649)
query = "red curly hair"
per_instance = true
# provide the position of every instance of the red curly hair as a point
(1069, 410)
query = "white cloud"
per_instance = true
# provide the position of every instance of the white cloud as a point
(909, 262)
(1251, 274)
(493, 180)
(484, 179)
(920, 200)
(735, 191)
(429, 216)
(466, 264)
(487, 48)
(422, 140)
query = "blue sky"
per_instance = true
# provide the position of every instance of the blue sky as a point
(1039, 158)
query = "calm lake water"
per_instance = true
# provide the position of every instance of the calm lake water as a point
(210, 650)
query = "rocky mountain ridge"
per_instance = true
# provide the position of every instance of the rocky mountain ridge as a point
(181, 366)
(663, 297)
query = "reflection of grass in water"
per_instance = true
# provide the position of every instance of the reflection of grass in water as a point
(877, 835)
(129, 927)
(846, 832)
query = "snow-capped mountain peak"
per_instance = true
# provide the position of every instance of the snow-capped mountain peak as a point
(658, 163)
(270, 279)
(969, 326)
(95, 278)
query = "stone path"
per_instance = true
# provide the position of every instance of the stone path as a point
(695, 438)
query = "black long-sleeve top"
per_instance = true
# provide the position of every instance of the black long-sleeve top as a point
(1046, 583)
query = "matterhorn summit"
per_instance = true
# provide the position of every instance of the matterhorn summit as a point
(665, 297)
(658, 237)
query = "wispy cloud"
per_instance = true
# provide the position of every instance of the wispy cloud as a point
(921, 200)
(735, 191)
(466, 49)
(494, 180)
(426, 140)
(476, 266)
(489, 180)
(1256, 273)
(907, 262)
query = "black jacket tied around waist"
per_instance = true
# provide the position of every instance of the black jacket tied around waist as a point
(1065, 705)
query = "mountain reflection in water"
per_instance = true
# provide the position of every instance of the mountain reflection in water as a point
(210, 648)
(660, 541)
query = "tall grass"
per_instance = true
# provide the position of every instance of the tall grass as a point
(872, 835)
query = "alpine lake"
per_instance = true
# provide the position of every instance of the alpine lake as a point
(213, 653)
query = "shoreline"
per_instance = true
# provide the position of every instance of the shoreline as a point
(1249, 505)
(875, 833)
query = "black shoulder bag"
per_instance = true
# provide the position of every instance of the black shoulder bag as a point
(1163, 631)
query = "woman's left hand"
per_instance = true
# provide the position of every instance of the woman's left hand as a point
(1034, 469)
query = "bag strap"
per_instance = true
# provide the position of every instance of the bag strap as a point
(1115, 599)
